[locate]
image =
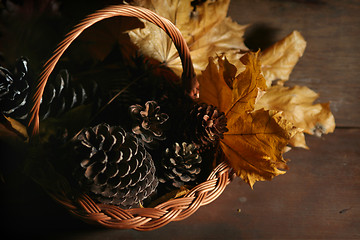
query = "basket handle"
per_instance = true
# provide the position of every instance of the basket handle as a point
(189, 80)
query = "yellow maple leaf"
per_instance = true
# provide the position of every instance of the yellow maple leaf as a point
(279, 60)
(213, 88)
(297, 105)
(207, 31)
(254, 144)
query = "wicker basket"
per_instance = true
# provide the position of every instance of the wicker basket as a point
(111, 216)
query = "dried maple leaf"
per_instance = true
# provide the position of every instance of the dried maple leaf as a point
(297, 105)
(207, 31)
(254, 144)
(279, 60)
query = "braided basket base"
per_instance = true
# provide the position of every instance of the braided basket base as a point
(146, 219)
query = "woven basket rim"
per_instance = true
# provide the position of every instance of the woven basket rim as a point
(146, 219)
(143, 219)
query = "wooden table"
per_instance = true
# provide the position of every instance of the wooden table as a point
(319, 197)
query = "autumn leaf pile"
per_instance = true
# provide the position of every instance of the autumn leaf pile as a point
(264, 117)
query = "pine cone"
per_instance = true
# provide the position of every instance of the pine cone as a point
(180, 165)
(148, 122)
(60, 95)
(114, 167)
(14, 89)
(206, 124)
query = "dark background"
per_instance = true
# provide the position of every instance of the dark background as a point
(318, 198)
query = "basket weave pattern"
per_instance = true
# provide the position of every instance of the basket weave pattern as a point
(111, 216)
(145, 219)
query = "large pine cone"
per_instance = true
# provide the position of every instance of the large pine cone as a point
(206, 124)
(148, 122)
(113, 166)
(14, 90)
(180, 166)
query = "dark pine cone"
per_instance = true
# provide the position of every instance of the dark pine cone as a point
(114, 167)
(14, 90)
(180, 166)
(148, 122)
(206, 124)
(60, 95)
